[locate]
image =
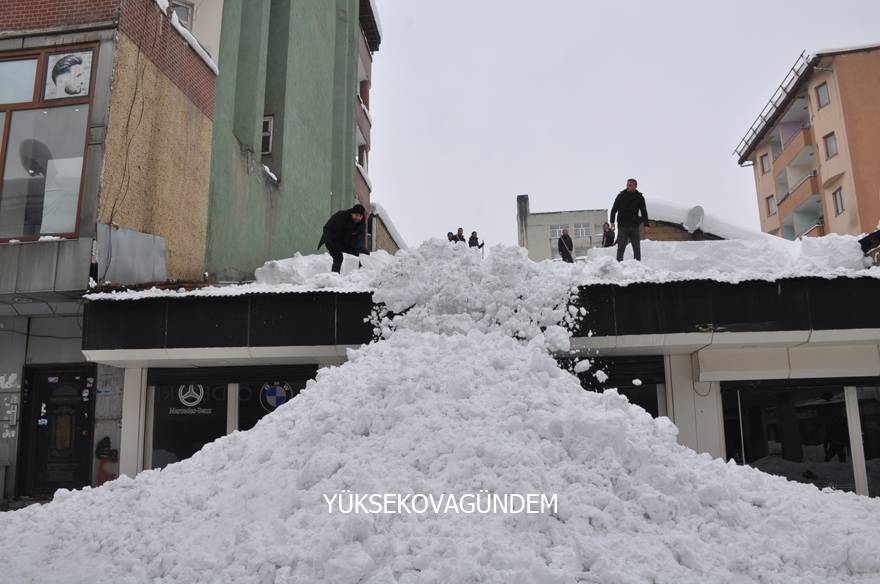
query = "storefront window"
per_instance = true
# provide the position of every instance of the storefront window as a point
(869, 415)
(800, 433)
(186, 416)
(44, 111)
(42, 173)
(17, 78)
(255, 400)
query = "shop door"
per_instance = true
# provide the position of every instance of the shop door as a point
(56, 450)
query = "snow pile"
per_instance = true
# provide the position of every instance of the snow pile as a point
(732, 260)
(423, 413)
(450, 289)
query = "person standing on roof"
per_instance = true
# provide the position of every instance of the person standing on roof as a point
(630, 211)
(565, 247)
(459, 236)
(474, 241)
(343, 233)
(607, 235)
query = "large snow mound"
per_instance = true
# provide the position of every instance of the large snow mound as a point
(423, 413)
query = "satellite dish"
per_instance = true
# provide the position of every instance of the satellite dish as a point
(694, 219)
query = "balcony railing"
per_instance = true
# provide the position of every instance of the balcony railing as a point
(778, 98)
(798, 195)
(817, 230)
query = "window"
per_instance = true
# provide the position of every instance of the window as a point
(184, 12)
(830, 145)
(581, 229)
(19, 77)
(838, 201)
(554, 252)
(765, 163)
(771, 205)
(822, 96)
(45, 98)
(556, 230)
(268, 127)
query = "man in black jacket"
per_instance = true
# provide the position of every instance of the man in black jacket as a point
(343, 233)
(630, 204)
(565, 247)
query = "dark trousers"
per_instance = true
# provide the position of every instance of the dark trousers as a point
(626, 235)
(336, 254)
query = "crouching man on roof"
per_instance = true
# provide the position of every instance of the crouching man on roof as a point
(344, 233)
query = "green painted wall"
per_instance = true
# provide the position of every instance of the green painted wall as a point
(295, 60)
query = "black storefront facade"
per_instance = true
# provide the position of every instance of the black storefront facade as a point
(197, 368)
(780, 375)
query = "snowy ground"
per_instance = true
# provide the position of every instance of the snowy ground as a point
(460, 398)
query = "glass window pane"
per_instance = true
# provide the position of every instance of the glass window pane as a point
(800, 433)
(186, 417)
(255, 400)
(17, 80)
(869, 413)
(41, 178)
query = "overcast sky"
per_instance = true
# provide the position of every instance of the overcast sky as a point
(476, 101)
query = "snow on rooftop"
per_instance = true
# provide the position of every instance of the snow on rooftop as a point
(865, 47)
(389, 225)
(460, 400)
(661, 210)
(762, 257)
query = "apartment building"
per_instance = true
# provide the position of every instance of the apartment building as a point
(106, 115)
(814, 147)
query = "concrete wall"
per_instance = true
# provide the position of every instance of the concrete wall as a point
(835, 172)
(859, 75)
(297, 66)
(765, 186)
(158, 155)
(695, 407)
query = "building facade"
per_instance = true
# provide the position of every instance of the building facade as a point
(292, 133)
(106, 115)
(813, 149)
(777, 375)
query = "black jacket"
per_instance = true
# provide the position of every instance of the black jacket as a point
(458, 238)
(342, 233)
(565, 246)
(629, 206)
(474, 242)
(608, 238)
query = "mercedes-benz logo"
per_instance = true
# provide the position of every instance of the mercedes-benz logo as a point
(191, 395)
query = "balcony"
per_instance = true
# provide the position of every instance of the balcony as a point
(800, 194)
(815, 231)
(793, 147)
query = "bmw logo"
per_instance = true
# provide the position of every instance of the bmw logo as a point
(275, 394)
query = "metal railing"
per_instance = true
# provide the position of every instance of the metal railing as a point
(778, 98)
